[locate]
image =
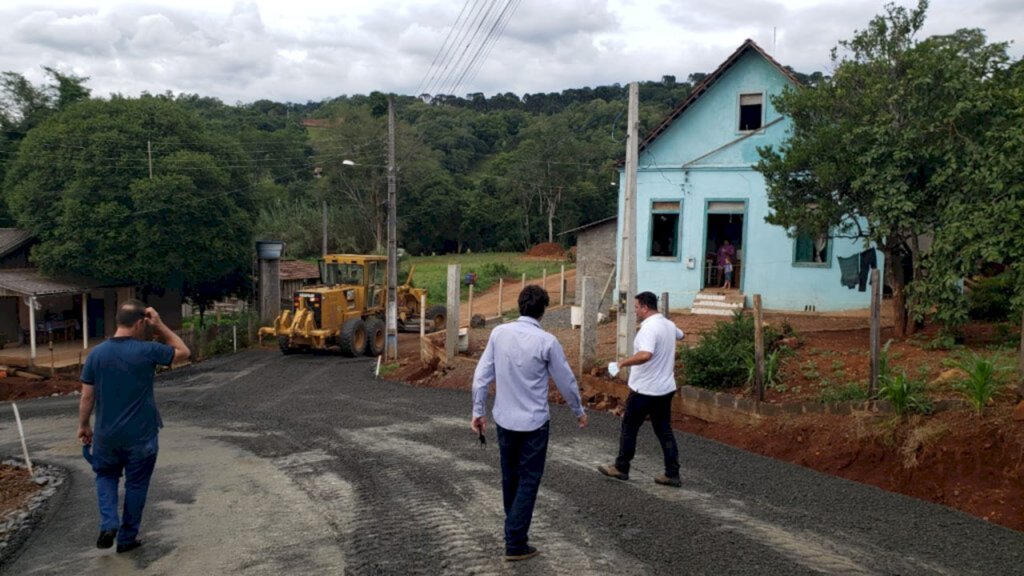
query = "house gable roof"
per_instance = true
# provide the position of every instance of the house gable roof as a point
(13, 238)
(705, 85)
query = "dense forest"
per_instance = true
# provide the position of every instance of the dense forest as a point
(475, 173)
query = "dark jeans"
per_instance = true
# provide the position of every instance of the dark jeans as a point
(522, 466)
(638, 408)
(137, 463)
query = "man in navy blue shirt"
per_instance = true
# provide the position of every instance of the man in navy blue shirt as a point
(118, 380)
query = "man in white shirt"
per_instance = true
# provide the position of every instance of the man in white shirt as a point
(652, 384)
(521, 358)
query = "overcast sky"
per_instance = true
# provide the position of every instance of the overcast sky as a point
(314, 49)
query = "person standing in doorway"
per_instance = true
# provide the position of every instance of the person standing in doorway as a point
(728, 273)
(652, 385)
(520, 358)
(725, 252)
(117, 380)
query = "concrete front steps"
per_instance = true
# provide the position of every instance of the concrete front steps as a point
(718, 302)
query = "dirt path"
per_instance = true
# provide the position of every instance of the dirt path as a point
(486, 303)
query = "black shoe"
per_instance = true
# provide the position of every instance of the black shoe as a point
(106, 538)
(122, 548)
(530, 552)
(611, 470)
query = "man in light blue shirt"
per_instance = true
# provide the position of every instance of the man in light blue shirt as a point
(520, 358)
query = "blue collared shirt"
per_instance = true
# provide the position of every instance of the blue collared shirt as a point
(520, 358)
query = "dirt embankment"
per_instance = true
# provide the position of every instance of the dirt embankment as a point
(957, 458)
(18, 388)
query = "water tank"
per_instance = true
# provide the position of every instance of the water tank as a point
(269, 249)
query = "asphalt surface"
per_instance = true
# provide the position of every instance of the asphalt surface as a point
(307, 465)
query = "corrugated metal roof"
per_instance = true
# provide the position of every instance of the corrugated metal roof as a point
(29, 282)
(12, 238)
(588, 226)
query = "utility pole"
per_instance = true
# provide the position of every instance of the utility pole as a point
(626, 316)
(391, 345)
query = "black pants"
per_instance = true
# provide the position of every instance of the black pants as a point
(638, 408)
(522, 466)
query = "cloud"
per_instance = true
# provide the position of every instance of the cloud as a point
(85, 33)
(262, 49)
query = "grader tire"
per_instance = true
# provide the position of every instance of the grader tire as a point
(352, 338)
(375, 336)
(435, 318)
(282, 343)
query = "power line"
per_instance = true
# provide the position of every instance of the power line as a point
(497, 29)
(483, 16)
(437, 57)
(461, 33)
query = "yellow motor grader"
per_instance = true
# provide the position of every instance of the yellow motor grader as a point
(346, 310)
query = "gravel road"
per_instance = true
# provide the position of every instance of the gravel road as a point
(307, 465)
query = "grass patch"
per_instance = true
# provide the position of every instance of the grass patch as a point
(851, 392)
(432, 272)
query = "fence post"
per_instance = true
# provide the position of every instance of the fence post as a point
(591, 303)
(523, 283)
(451, 340)
(501, 293)
(544, 278)
(875, 332)
(663, 304)
(758, 348)
(423, 318)
(561, 289)
(234, 336)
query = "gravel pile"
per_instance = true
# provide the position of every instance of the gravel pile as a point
(17, 523)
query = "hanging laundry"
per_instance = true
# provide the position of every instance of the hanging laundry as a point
(849, 271)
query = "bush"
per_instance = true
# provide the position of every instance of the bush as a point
(494, 270)
(984, 379)
(905, 395)
(989, 298)
(720, 359)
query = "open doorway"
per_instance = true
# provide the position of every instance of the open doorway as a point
(724, 246)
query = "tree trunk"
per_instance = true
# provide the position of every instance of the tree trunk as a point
(899, 295)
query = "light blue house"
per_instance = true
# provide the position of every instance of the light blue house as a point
(696, 188)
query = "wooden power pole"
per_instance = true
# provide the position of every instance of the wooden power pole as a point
(626, 316)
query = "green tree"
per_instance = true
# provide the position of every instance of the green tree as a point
(81, 184)
(24, 106)
(868, 152)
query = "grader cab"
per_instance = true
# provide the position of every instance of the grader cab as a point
(346, 310)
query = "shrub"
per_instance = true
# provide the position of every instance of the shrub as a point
(989, 298)
(494, 270)
(720, 359)
(905, 395)
(847, 393)
(984, 379)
